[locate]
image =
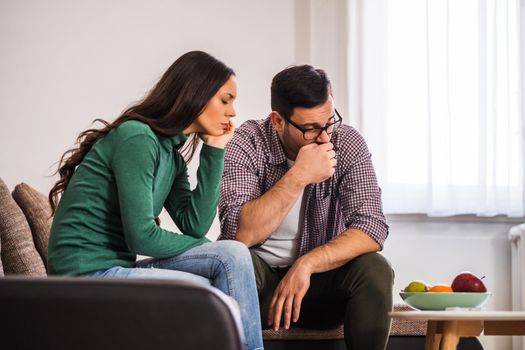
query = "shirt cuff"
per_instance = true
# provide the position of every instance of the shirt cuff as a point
(376, 229)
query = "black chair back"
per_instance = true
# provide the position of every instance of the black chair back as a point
(90, 313)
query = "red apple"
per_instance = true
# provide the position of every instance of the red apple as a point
(468, 282)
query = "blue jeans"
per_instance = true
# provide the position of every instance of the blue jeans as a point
(226, 265)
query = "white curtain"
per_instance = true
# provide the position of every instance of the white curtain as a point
(435, 87)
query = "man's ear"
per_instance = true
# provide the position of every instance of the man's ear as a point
(278, 121)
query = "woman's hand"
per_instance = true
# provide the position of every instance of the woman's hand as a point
(218, 141)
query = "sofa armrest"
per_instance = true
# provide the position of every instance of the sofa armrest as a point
(91, 313)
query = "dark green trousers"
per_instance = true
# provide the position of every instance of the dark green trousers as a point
(358, 294)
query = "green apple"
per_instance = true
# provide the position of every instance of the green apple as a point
(416, 287)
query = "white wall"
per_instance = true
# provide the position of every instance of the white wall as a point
(64, 63)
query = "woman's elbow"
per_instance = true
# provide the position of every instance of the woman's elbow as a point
(139, 243)
(198, 230)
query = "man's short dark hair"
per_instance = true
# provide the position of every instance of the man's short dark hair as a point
(299, 86)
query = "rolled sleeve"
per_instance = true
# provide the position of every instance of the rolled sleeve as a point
(360, 197)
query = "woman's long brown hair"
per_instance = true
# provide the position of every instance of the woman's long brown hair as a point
(171, 106)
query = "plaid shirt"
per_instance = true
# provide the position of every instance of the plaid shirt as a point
(351, 198)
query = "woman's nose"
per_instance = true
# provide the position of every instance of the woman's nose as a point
(232, 112)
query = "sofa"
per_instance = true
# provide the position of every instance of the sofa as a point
(73, 312)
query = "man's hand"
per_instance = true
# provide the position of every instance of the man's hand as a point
(315, 163)
(218, 141)
(291, 290)
(289, 295)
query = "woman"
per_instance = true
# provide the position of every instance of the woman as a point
(115, 184)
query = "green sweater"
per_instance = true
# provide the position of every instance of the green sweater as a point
(106, 215)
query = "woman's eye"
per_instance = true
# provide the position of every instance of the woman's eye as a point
(224, 102)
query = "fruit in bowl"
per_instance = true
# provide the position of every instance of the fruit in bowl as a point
(441, 288)
(416, 286)
(466, 291)
(468, 282)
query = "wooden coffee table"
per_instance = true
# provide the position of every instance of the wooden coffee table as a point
(448, 326)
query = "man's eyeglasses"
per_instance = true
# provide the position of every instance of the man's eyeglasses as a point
(312, 133)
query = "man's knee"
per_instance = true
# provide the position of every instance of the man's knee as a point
(371, 270)
(377, 266)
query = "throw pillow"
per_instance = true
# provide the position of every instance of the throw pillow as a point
(1, 267)
(19, 255)
(37, 210)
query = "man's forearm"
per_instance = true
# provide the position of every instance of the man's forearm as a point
(260, 217)
(345, 247)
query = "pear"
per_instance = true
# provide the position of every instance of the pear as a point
(416, 287)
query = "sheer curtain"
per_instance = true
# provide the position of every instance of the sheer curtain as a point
(435, 87)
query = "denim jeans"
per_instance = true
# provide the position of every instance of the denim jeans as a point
(226, 265)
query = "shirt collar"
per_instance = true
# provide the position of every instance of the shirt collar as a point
(276, 155)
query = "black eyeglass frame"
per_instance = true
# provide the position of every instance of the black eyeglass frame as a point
(335, 124)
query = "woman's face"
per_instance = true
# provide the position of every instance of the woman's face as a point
(215, 119)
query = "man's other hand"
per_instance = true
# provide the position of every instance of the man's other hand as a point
(288, 295)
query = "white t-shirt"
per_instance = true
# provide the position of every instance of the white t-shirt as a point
(281, 248)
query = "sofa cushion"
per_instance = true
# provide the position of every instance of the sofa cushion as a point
(37, 210)
(402, 327)
(19, 255)
(296, 333)
(1, 267)
(399, 328)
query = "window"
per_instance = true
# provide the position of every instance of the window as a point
(440, 105)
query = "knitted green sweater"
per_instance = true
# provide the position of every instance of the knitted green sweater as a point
(106, 215)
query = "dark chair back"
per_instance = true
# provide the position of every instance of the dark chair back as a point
(90, 313)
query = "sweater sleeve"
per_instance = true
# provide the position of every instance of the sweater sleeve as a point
(133, 163)
(193, 211)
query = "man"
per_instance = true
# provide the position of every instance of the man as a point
(300, 190)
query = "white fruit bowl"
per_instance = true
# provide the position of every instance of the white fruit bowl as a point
(444, 300)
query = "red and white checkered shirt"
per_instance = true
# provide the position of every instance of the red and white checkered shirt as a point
(351, 198)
